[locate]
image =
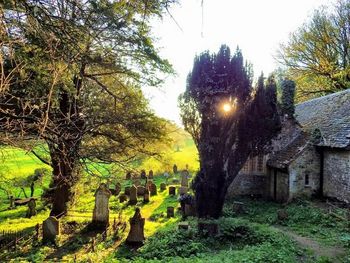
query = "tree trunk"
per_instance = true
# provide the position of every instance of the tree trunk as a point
(210, 192)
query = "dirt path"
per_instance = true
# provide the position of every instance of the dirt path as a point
(311, 244)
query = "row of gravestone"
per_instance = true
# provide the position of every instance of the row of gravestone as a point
(143, 175)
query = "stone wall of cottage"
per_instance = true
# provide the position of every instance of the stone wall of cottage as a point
(246, 184)
(337, 174)
(304, 174)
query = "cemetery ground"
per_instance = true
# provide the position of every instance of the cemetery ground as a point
(251, 230)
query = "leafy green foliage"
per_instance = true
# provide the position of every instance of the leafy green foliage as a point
(287, 98)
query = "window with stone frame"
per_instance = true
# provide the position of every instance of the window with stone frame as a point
(260, 163)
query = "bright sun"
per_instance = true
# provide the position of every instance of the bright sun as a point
(226, 107)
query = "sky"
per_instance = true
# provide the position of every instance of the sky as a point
(256, 26)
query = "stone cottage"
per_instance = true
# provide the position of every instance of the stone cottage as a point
(310, 156)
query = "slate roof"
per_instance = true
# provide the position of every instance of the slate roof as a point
(331, 115)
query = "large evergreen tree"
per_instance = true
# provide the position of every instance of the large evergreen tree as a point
(70, 76)
(232, 121)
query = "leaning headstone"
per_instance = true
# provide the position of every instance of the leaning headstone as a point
(183, 190)
(143, 174)
(146, 196)
(127, 190)
(122, 198)
(136, 235)
(184, 178)
(141, 190)
(31, 208)
(133, 195)
(150, 174)
(118, 188)
(172, 190)
(162, 187)
(128, 176)
(175, 169)
(153, 189)
(51, 229)
(100, 216)
(170, 212)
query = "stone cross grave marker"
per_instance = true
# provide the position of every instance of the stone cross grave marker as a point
(101, 209)
(133, 195)
(51, 229)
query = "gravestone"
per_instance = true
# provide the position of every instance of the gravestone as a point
(127, 190)
(162, 187)
(170, 212)
(150, 174)
(133, 195)
(31, 208)
(51, 229)
(143, 174)
(184, 178)
(136, 235)
(190, 210)
(118, 188)
(122, 198)
(100, 216)
(238, 208)
(183, 190)
(12, 202)
(282, 214)
(153, 189)
(146, 196)
(141, 190)
(172, 190)
(148, 183)
(175, 169)
(128, 176)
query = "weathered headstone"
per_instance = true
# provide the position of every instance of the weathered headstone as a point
(51, 229)
(122, 198)
(31, 208)
(146, 196)
(118, 188)
(100, 216)
(238, 208)
(190, 210)
(175, 169)
(153, 189)
(172, 190)
(162, 187)
(141, 190)
(184, 178)
(170, 212)
(150, 174)
(128, 176)
(133, 195)
(183, 190)
(136, 235)
(143, 174)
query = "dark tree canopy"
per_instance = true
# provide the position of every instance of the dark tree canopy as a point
(317, 55)
(229, 120)
(287, 98)
(71, 76)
